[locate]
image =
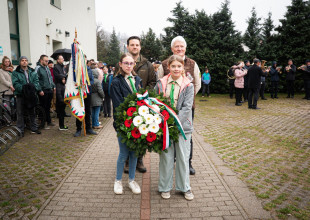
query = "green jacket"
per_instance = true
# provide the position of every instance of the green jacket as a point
(45, 77)
(19, 79)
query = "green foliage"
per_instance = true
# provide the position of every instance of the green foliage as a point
(113, 52)
(151, 47)
(141, 145)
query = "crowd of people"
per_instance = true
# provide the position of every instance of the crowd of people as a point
(249, 80)
(178, 78)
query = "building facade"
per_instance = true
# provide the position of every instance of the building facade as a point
(35, 27)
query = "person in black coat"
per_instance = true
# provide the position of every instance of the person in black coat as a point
(306, 76)
(105, 87)
(290, 70)
(246, 81)
(274, 78)
(255, 73)
(124, 83)
(60, 105)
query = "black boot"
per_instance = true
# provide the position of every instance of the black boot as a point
(140, 167)
(191, 169)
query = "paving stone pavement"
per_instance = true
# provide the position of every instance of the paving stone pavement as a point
(87, 191)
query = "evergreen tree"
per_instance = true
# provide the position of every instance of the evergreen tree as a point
(227, 47)
(181, 24)
(113, 52)
(269, 47)
(252, 37)
(294, 35)
(150, 46)
(101, 43)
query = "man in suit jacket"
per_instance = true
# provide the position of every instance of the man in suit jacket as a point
(254, 73)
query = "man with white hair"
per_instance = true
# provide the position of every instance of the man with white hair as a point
(191, 70)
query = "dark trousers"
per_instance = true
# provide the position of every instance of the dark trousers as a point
(253, 97)
(20, 109)
(205, 88)
(290, 88)
(107, 104)
(238, 95)
(191, 152)
(46, 102)
(262, 90)
(245, 93)
(87, 103)
(307, 88)
(60, 108)
(274, 89)
(231, 89)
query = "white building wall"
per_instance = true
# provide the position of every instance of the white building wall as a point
(79, 14)
(5, 30)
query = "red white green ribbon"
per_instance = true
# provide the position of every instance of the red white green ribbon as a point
(148, 101)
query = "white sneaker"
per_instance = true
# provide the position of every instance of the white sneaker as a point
(189, 195)
(118, 187)
(135, 188)
(165, 195)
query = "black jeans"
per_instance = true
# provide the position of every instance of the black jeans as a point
(307, 88)
(107, 104)
(87, 103)
(231, 88)
(46, 102)
(245, 93)
(262, 90)
(274, 89)
(253, 97)
(20, 109)
(238, 95)
(60, 108)
(290, 88)
(205, 87)
(191, 152)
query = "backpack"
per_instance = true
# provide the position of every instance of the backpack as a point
(30, 95)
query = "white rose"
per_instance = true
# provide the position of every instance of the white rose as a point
(149, 119)
(157, 119)
(137, 121)
(143, 110)
(143, 129)
(154, 127)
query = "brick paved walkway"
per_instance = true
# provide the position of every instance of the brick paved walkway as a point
(87, 190)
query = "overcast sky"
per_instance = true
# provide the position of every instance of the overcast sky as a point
(131, 17)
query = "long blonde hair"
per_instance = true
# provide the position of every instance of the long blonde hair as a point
(2, 64)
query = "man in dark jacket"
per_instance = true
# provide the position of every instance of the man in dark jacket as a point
(24, 75)
(145, 71)
(306, 76)
(47, 86)
(255, 73)
(290, 70)
(247, 66)
(274, 74)
(105, 86)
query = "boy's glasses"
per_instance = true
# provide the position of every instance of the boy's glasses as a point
(128, 64)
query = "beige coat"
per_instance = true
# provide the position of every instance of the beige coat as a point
(5, 82)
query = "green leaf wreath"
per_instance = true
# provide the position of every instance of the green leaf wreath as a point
(137, 141)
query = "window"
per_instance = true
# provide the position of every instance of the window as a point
(56, 3)
(14, 31)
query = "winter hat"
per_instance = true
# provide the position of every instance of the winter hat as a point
(274, 62)
(23, 57)
(307, 61)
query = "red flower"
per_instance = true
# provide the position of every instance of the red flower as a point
(151, 137)
(136, 133)
(131, 110)
(140, 103)
(128, 122)
(161, 125)
(165, 114)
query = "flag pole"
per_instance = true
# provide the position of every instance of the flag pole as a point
(84, 102)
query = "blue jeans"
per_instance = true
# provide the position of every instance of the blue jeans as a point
(122, 157)
(95, 115)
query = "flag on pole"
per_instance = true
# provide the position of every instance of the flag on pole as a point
(77, 81)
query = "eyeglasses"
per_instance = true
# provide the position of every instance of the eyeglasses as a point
(128, 64)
